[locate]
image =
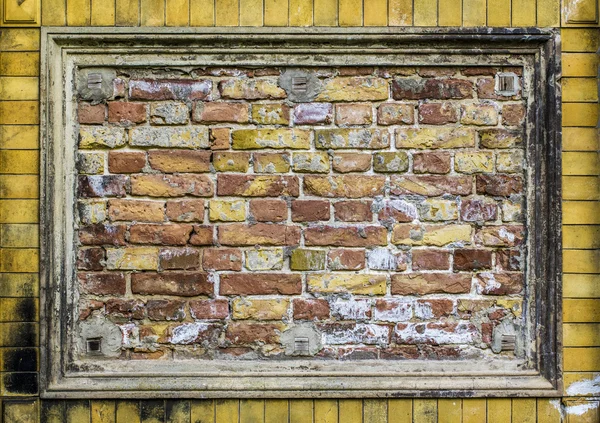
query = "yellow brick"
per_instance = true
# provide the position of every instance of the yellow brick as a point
(359, 88)
(424, 410)
(579, 40)
(352, 283)
(548, 13)
(401, 12)
(202, 408)
(19, 235)
(579, 64)
(177, 13)
(350, 12)
(581, 213)
(435, 138)
(227, 12)
(152, 12)
(510, 162)
(581, 188)
(227, 211)
(524, 410)
(19, 162)
(111, 137)
(474, 12)
(473, 410)
(19, 310)
(581, 335)
(276, 12)
(580, 139)
(19, 211)
(19, 186)
(103, 13)
(438, 235)
(311, 162)
(581, 236)
(244, 139)
(498, 410)
(132, 258)
(19, 260)
(375, 12)
(19, 113)
(575, 378)
(580, 89)
(581, 286)
(202, 13)
(301, 12)
(127, 12)
(54, 12)
(326, 410)
(581, 261)
(21, 411)
(128, 412)
(19, 285)
(451, 410)
(579, 114)
(450, 13)
(19, 137)
(326, 12)
(581, 310)
(244, 308)
(102, 411)
(264, 259)
(271, 114)
(581, 359)
(78, 12)
(20, 39)
(581, 163)
(425, 12)
(19, 64)
(474, 162)
(230, 162)
(434, 209)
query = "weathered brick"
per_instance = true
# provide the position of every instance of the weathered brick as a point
(172, 137)
(244, 333)
(513, 114)
(178, 258)
(478, 114)
(100, 234)
(102, 186)
(430, 283)
(433, 71)
(306, 162)
(313, 113)
(392, 211)
(129, 309)
(500, 236)
(260, 284)
(363, 284)
(479, 71)
(258, 234)
(478, 210)
(348, 186)
(469, 260)
(437, 113)
(431, 185)
(474, 162)
(433, 209)
(271, 162)
(431, 162)
(344, 259)
(185, 210)
(310, 309)
(209, 309)
(126, 161)
(499, 185)
(271, 114)
(486, 88)
(136, 210)
(175, 161)
(227, 211)
(222, 259)
(352, 236)
(90, 258)
(165, 309)
(438, 235)
(510, 162)
(352, 309)
(127, 113)
(353, 211)
(250, 89)
(500, 138)
(356, 88)
(355, 70)
(387, 259)
(345, 138)
(305, 259)
(157, 185)
(202, 235)
(119, 88)
(353, 114)
(395, 114)
(351, 162)
(434, 308)
(430, 259)
(171, 234)
(355, 333)
(91, 211)
(249, 139)
(433, 138)
(231, 161)
(101, 137)
(180, 284)
(91, 113)
(195, 333)
(169, 113)
(438, 89)
(269, 210)
(90, 163)
(132, 258)
(112, 283)
(244, 309)
(508, 259)
(257, 186)
(512, 210)
(499, 283)
(169, 89)
(390, 162)
(220, 138)
(220, 112)
(392, 310)
(310, 210)
(264, 259)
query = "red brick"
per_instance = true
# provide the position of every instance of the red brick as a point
(185, 210)
(313, 113)
(430, 283)
(202, 235)
(430, 259)
(499, 283)
(509, 260)
(353, 211)
(486, 90)
(432, 162)
(242, 333)
(126, 161)
(100, 234)
(220, 138)
(352, 236)
(342, 259)
(434, 308)
(394, 211)
(90, 259)
(431, 185)
(179, 258)
(209, 309)
(165, 310)
(102, 283)
(446, 88)
(311, 309)
(169, 89)
(129, 309)
(180, 284)
(269, 210)
(136, 210)
(476, 210)
(499, 185)
(102, 186)
(468, 260)
(433, 71)
(513, 114)
(258, 234)
(353, 114)
(257, 186)
(222, 259)
(500, 236)
(91, 114)
(479, 71)
(351, 162)
(172, 234)
(310, 210)
(437, 113)
(355, 70)
(123, 112)
(87, 307)
(260, 284)
(221, 112)
(173, 161)
(172, 185)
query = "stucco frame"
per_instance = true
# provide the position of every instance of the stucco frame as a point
(64, 48)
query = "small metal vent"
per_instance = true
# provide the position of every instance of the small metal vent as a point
(301, 345)
(94, 346)
(94, 81)
(508, 342)
(299, 84)
(507, 84)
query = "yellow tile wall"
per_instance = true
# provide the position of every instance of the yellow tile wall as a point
(19, 193)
